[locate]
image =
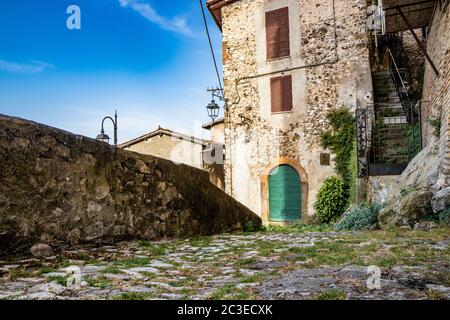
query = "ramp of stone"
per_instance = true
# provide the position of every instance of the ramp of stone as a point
(63, 189)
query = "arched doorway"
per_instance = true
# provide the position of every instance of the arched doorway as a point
(285, 194)
(301, 188)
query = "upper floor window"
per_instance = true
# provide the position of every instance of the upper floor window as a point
(277, 33)
(281, 94)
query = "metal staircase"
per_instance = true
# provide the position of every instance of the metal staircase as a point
(389, 152)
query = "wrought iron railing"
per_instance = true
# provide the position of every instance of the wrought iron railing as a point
(402, 89)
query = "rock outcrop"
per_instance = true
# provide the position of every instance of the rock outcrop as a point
(407, 210)
(60, 188)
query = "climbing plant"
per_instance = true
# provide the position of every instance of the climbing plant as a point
(436, 124)
(414, 143)
(341, 140)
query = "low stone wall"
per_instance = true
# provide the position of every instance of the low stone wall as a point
(63, 189)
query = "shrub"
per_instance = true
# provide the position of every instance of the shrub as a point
(331, 200)
(444, 216)
(362, 217)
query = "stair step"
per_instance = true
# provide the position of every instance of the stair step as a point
(388, 100)
(384, 105)
(394, 120)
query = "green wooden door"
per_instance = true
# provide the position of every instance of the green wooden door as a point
(285, 194)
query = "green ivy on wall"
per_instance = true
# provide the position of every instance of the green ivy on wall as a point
(341, 140)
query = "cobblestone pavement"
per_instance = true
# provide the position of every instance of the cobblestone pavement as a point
(264, 265)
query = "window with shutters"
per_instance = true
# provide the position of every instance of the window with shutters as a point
(281, 94)
(277, 33)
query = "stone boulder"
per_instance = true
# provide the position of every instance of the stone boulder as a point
(441, 200)
(407, 210)
(41, 250)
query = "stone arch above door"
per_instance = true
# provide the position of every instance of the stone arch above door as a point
(265, 185)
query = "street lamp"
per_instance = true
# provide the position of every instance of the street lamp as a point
(213, 108)
(104, 137)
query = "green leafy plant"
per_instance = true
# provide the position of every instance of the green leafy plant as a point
(413, 140)
(444, 216)
(333, 294)
(331, 200)
(436, 124)
(353, 175)
(341, 140)
(362, 217)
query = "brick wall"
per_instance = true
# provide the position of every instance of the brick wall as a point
(436, 94)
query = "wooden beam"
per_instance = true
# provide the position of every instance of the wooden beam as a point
(409, 5)
(422, 47)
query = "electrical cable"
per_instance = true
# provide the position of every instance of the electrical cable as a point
(211, 47)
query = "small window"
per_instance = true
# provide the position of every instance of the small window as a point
(277, 33)
(324, 159)
(281, 94)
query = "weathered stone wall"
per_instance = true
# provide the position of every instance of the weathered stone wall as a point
(436, 93)
(60, 188)
(327, 73)
(416, 63)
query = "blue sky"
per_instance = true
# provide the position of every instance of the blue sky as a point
(149, 59)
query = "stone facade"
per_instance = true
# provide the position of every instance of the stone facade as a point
(180, 148)
(329, 65)
(63, 189)
(436, 93)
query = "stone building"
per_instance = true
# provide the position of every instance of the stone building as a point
(181, 148)
(288, 63)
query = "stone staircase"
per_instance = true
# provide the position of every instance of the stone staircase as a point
(389, 145)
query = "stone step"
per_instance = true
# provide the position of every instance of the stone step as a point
(388, 100)
(381, 88)
(387, 105)
(386, 113)
(394, 120)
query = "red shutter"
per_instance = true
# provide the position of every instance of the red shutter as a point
(283, 42)
(276, 89)
(281, 94)
(287, 93)
(277, 33)
(272, 28)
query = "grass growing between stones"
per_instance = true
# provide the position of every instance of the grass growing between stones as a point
(132, 262)
(98, 282)
(135, 296)
(61, 280)
(112, 270)
(154, 250)
(299, 228)
(334, 294)
(19, 273)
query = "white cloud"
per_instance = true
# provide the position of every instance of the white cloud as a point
(176, 24)
(34, 66)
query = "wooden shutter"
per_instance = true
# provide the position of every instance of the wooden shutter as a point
(276, 88)
(272, 27)
(281, 94)
(283, 38)
(287, 93)
(277, 33)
